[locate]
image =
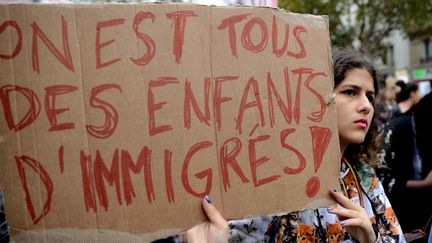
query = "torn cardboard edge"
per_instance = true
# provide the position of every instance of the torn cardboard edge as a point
(274, 12)
(106, 235)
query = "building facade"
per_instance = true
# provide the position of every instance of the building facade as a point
(409, 58)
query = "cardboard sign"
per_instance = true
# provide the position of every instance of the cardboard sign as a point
(117, 119)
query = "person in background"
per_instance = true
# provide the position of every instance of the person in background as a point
(363, 213)
(395, 131)
(409, 158)
(385, 108)
(423, 119)
(407, 96)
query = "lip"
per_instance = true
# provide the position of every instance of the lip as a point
(362, 123)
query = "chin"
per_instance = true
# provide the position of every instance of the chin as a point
(354, 140)
(358, 140)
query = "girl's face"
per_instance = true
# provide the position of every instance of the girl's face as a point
(354, 106)
(415, 96)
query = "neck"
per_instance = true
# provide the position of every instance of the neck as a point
(404, 106)
(342, 148)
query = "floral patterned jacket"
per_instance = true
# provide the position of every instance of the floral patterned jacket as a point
(361, 186)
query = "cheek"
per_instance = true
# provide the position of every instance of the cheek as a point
(370, 115)
(342, 114)
(340, 110)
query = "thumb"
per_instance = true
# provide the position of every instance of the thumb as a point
(213, 214)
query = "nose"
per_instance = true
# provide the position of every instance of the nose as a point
(365, 105)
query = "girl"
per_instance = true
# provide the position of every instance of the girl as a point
(363, 213)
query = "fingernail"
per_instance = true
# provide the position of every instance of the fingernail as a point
(334, 189)
(342, 223)
(330, 209)
(208, 199)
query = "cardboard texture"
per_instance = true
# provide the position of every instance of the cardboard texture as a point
(117, 119)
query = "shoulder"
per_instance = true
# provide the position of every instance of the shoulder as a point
(366, 174)
(401, 119)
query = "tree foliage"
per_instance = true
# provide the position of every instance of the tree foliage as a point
(364, 24)
(416, 17)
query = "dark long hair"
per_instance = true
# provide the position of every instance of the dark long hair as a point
(405, 90)
(343, 61)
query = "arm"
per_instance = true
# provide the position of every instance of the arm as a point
(215, 230)
(421, 184)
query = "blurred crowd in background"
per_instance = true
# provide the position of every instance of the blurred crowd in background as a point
(404, 160)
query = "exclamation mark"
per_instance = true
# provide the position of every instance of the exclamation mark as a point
(320, 140)
(61, 159)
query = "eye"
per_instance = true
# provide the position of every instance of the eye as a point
(371, 98)
(349, 92)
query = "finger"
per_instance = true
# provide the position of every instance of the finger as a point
(357, 222)
(182, 237)
(213, 214)
(366, 234)
(347, 213)
(343, 200)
